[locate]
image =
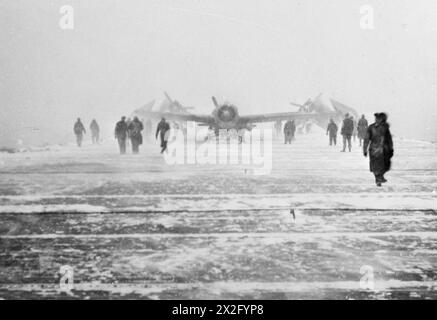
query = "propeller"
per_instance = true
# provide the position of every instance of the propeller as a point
(307, 103)
(296, 104)
(215, 102)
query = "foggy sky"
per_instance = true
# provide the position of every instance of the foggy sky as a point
(257, 54)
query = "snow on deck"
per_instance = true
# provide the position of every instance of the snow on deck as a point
(134, 227)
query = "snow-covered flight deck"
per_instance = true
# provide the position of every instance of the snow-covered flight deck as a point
(134, 227)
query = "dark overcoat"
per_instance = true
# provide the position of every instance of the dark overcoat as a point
(135, 128)
(379, 142)
(362, 128)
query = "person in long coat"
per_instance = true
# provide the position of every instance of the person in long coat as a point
(346, 131)
(332, 131)
(121, 132)
(289, 129)
(378, 144)
(293, 129)
(163, 129)
(95, 130)
(362, 129)
(79, 131)
(134, 128)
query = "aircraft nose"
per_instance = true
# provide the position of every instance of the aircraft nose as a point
(226, 114)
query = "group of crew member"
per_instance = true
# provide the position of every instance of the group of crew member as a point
(125, 130)
(79, 131)
(375, 139)
(349, 129)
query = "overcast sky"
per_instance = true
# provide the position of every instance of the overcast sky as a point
(256, 54)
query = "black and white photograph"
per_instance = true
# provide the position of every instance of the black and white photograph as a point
(235, 150)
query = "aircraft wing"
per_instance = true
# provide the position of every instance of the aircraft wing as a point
(269, 117)
(146, 108)
(203, 119)
(344, 108)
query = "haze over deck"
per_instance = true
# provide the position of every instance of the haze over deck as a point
(257, 54)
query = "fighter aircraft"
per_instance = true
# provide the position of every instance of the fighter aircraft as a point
(336, 109)
(170, 105)
(226, 116)
(311, 105)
